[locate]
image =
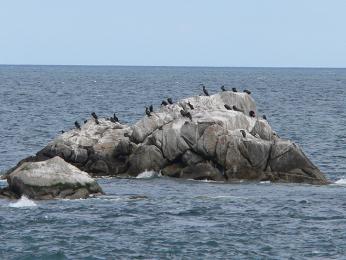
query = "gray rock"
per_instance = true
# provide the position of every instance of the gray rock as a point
(146, 157)
(217, 144)
(53, 178)
(202, 171)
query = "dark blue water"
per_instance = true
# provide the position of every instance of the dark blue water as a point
(175, 218)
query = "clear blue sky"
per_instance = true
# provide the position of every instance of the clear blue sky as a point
(289, 33)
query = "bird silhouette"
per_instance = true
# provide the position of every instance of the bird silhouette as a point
(228, 107)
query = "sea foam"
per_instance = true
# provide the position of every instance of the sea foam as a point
(23, 202)
(340, 182)
(147, 175)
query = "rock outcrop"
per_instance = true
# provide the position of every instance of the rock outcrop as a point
(217, 144)
(53, 178)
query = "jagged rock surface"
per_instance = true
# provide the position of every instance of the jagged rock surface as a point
(53, 178)
(210, 146)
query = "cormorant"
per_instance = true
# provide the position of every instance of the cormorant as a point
(95, 117)
(85, 121)
(235, 108)
(62, 131)
(186, 114)
(147, 111)
(243, 133)
(164, 103)
(151, 109)
(252, 113)
(170, 101)
(190, 105)
(228, 107)
(223, 88)
(205, 91)
(234, 90)
(116, 119)
(264, 117)
(77, 125)
(247, 91)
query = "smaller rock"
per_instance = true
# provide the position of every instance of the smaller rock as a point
(53, 178)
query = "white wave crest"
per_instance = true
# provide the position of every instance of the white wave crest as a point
(148, 175)
(22, 202)
(340, 182)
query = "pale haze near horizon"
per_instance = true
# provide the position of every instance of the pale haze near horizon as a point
(247, 33)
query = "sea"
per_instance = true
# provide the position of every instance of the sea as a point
(154, 217)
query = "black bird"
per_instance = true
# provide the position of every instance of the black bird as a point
(186, 114)
(116, 119)
(170, 101)
(95, 117)
(234, 90)
(235, 108)
(264, 117)
(190, 105)
(151, 109)
(228, 107)
(85, 121)
(77, 125)
(223, 88)
(247, 91)
(243, 133)
(205, 91)
(62, 131)
(252, 113)
(164, 103)
(147, 111)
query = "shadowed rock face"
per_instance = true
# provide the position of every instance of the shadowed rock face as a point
(53, 178)
(217, 144)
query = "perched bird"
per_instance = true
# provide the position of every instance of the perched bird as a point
(205, 91)
(147, 111)
(164, 103)
(93, 114)
(264, 117)
(247, 91)
(170, 101)
(62, 131)
(77, 125)
(186, 114)
(85, 121)
(190, 105)
(235, 108)
(223, 88)
(228, 107)
(252, 113)
(234, 90)
(243, 133)
(151, 109)
(116, 119)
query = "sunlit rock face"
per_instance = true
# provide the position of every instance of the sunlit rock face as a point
(53, 178)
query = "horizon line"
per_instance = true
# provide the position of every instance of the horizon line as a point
(177, 66)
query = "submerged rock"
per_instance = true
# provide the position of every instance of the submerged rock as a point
(53, 178)
(215, 143)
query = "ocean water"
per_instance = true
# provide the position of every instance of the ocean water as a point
(152, 217)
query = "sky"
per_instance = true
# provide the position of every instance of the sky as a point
(220, 33)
